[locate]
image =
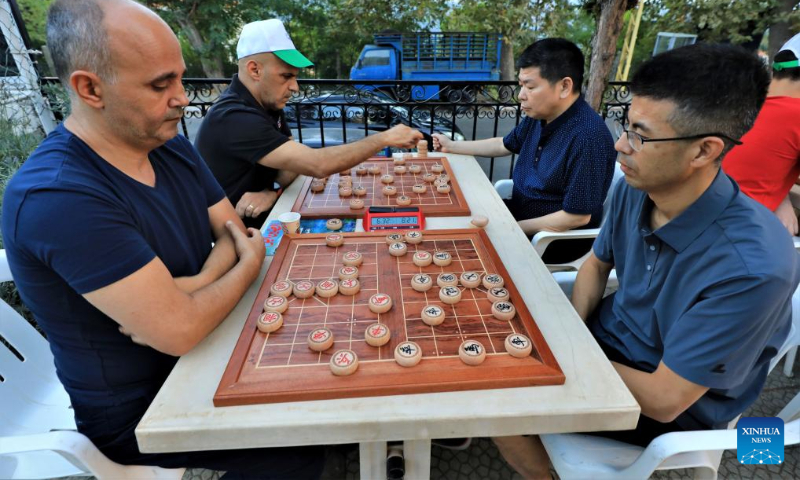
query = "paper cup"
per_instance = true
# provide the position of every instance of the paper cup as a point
(290, 221)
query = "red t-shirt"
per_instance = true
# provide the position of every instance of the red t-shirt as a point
(768, 163)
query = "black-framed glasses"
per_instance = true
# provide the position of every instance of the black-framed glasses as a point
(637, 141)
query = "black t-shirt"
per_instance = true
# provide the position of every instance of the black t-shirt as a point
(236, 133)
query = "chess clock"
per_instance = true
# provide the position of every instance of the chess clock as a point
(393, 218)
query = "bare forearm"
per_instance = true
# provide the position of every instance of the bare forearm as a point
(335, 159)
(221, 259)
(559, 221)
(207, 307)
(590, 283)
(285, 177)
(490, 147)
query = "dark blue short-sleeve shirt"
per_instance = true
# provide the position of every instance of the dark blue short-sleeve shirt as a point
(72, 224)
(709, 293)
(565, 165)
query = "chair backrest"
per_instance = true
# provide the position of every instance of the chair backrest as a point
(32, 400)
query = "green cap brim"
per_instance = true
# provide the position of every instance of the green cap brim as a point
(778, 66)
(294, 58)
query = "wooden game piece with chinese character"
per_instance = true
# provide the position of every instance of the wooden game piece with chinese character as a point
(380, 303)
(281, 289)
(327, 288)
(346, 178)
(345, 184)
(432, 315)
(407, 354)
(442, 259)
(356, 204)
(470, 279)
(334, 240)
(345, 192)
(491, 280)
(413, 237)
(303, 289)
(421, 282)
(479, 221)
(437, 168)
(320, 339)
(268, 322)
(419, 188)
(443, 188)
(443, 178)
(450, 295)
(352, 259)
(497, 294)
(399, 170)
(439, 182)
(387, 179)
(503, 310)
(398, 249)
(361, 170)
(348, 272)
(422, 258)
(374, 169)
(333, 224)
(446, 280)
(393, 238)
(472, 352)
(422, 148)
(389, 190)
(403, 200)
(377, 335)
(518, 345)
(276, 303)
(401, 160)
(349, 286)
(317, 187)
(359, 190)
(429, 177)
(415, 169)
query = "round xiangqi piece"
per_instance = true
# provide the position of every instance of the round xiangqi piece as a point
(344, 362)
(518, 345)
(407, 354)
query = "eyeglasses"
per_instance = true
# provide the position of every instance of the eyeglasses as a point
(637, 141)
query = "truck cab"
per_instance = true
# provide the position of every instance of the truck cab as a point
(376, 63)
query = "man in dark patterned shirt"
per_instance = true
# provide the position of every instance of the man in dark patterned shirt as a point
(566, 153)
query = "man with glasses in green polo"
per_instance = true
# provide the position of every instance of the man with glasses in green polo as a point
(705, 274)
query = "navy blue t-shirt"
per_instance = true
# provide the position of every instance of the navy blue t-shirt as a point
(708, 293)
(72, 224)
(566, 164)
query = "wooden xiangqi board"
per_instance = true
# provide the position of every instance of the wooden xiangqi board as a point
(328, 203)
(279, 367)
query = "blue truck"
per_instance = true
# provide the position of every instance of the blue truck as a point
(441, 56)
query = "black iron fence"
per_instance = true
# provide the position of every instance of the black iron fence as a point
(333, 112)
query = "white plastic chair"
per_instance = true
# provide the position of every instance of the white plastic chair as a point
(37, 426)
(577, 456)
(542, 240)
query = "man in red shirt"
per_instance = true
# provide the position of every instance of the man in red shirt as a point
(767, 165)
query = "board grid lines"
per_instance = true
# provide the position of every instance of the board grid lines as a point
(328, 203)
(279, 366)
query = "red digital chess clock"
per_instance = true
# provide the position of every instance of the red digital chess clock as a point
(393, 218)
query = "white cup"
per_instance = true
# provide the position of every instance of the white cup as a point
(290, 221)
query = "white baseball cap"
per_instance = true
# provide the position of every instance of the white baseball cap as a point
(270, 36)
(793, 45)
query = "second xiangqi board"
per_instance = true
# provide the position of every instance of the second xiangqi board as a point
(328, 203)
(280, 367)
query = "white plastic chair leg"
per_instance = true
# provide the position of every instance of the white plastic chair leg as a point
(788, 363)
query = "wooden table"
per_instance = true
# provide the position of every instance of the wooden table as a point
(183, 418)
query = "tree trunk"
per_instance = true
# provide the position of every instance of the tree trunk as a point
(211, 61)
(604, 48)
(779, 32)
(507, 70)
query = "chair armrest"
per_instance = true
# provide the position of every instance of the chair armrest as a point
(542, 240)
(5, 271)
(675, 443)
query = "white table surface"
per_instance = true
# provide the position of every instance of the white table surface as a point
(183, 418)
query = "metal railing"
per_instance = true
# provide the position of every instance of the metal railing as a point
(331, 112)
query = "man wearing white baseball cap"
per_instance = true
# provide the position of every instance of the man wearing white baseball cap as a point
(245, 140)
(767, 164)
